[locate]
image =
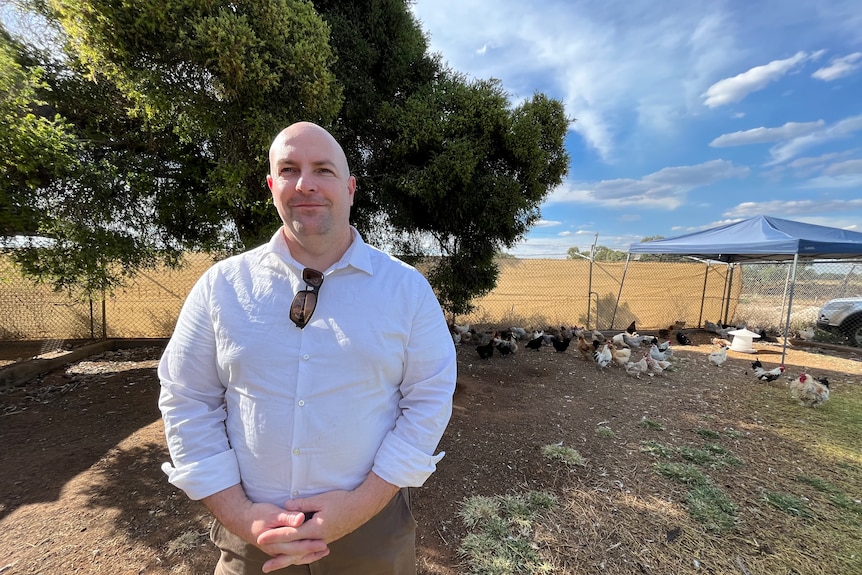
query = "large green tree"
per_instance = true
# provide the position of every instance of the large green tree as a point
(34, 144)
(469, 172)
(173, 104)
(222, 76)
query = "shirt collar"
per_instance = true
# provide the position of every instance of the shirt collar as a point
(357, 255)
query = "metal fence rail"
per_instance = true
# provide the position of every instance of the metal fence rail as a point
(534, 293)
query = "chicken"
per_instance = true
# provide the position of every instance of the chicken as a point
(718, 356)
(623, 339)
(518, 332)
(655, 366)
(807, 333)
(535, 343)
(487, 350)
(460, 328)
(719, 329)
(809, 391)
(764, 375)
(561, 345)
(632, 329)
(657, 355)
(603, 356)
(456, 338)
(719, 342)
(621, 355)
(636, 368)
(508, 345)
(682, 339)
(585, 348)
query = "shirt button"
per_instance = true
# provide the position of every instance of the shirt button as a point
(295, 493)
(305, 357)
(296, 451)
(301, 402)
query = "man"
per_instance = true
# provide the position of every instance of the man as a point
(307, 384)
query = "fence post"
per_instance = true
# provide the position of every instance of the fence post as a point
(104, 318)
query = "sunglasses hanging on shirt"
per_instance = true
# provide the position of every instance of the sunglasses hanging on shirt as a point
(304, 302)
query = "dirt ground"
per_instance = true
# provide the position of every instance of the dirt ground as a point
(82, 489)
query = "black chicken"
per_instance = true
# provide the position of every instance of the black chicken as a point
(631, 329)
(486, 351)
(561, 344)
(682, 339)
(535, 343)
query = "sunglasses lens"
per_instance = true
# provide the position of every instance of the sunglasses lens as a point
(302, 307)
(312, 277)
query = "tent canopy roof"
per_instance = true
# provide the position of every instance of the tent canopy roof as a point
(761, 238)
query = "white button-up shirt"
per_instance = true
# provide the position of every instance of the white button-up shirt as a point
(249, 397)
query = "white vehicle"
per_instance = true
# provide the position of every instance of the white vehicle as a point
(843, 317)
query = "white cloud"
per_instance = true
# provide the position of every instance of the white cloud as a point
(848, 167)
(763, 135)
(574, 51)
(793, 147)
(792, 208)
(839, 67)
(734, 89)
(547, 224)
(664, 189)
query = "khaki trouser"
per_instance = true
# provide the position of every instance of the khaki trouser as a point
(385, 545)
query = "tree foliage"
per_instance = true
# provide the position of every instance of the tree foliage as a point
(34, 145)
(164, 110)
(470, 173)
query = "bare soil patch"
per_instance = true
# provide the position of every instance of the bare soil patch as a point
(83, 491)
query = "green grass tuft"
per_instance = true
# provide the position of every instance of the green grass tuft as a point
(567, 455)
(709, 506)
(501, 541)
(683, 473)
(787, 502)
(657, 449)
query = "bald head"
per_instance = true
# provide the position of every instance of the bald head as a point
(307, 132)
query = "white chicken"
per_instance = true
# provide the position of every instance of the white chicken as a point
(654, 366)
(807, 333)
(809, 391)
(718, 356)
(603, 356)
(636, 368)
(766, 375)
(658, 355)
(622, 355)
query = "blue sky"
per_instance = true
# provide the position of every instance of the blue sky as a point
(690, 114)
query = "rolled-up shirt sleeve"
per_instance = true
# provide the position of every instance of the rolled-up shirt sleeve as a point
(406, 457)
(192, 403)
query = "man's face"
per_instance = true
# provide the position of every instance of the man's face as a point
(310, 182)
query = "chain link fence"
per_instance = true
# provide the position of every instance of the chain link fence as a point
(531, 293)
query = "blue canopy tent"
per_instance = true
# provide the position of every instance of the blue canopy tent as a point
(760, 239)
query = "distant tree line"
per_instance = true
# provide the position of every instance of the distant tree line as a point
(605, 254)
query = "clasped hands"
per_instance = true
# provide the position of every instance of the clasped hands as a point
(292, 539)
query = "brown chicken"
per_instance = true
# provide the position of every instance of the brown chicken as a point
(585, 348)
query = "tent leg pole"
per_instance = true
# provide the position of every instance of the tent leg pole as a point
(789, 307)
(703, 296)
